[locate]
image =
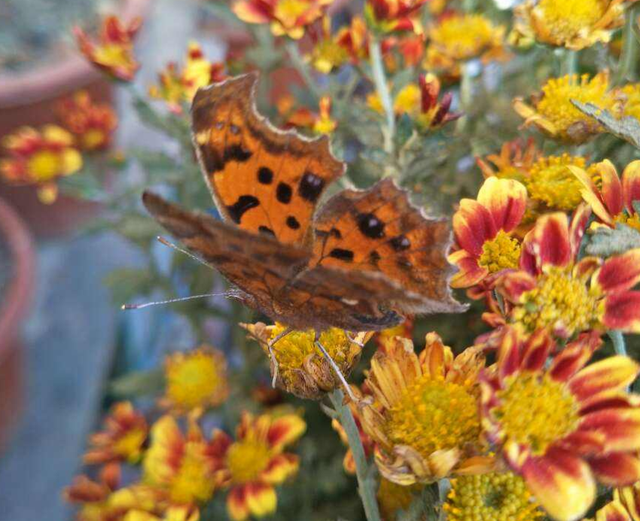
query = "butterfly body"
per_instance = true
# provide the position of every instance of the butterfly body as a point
(360, 262)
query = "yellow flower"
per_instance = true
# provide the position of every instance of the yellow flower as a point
(302, 370)
(574, 24)
(39, 157)
(462, 37)
(554, 114)
(195, 380)
(629, 98)
(177, 513)
(179, 465)
(425, 416)
(496, 496)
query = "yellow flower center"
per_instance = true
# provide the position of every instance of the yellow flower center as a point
(632, 220)
(559, 300)
(247, 459)
(490, 497)
(129, 445)
(328, 55)
(464, 37)
(565, 20)
(511, 172)
(551, 182)
(289, 10)
(556, 105)
(113, 55)
(45, 165)
(193, 480)
(195, 380)
(500, 253)
(536, 411)
(630, 95)
(433, 414)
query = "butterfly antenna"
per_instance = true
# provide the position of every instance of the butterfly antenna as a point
(272, 355)
(164, 241)
(172, 301)
(335, 367)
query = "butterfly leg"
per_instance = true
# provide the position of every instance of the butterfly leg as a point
(334, 366)
(272, 355)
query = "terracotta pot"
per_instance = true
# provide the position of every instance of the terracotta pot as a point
(30, 98)
(14, 306)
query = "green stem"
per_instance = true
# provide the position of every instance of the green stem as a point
(618, 342)
(382, 88)
(628, 60)
(301, 66)
(570, 62)
(466, 97)
(366, 480)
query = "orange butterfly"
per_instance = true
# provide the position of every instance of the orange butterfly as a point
(361, 262)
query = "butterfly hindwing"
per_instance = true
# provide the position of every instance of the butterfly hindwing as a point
(263, 179)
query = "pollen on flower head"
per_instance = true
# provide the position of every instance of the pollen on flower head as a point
(464, 37)
(500, 253)
(496, 496)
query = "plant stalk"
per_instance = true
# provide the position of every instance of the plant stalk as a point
(466, 97)
(570, 63)
(628, 60)
(382, 88)
(366, 482)
(619, 345)
(301, 66)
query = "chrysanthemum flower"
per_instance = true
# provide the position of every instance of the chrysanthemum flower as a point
(495, 496)
(123, 437)
(113, 52)
(175, 513)
(613, 201)
(483, 231)
(629, 498)
(178, 87)
(195, 380)
(424, 418)
(573, 24)
(91, 123)
(354, 39)
(286, 17)
(562, 426)
(404, 330)
(39, 157)
(554, 291)
(386, 16)
(553, 113)
(462, 37)
(179, 465)
(255, 461)
(302, 370)
(514, 161)
(327, 54)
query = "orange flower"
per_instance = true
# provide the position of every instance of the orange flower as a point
(385, 16)
(92, 124)
(319, 123)
(123, 437)
(113, 53)
(483, 231)
(287, 17)
(354, 39)
(614, 201)
(514, 161)
(255, 461)
(562, 426)
(177, 87)
(327, 54)
(554, 291)
(39, 158)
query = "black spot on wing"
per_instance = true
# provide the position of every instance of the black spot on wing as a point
(265, 175)
(283, 193)
(310, 187)
(400, 243)
(370, 226)
(241, 206)
(293, 223)
(339, 253)
(374, 257)
(266, 231)
(236, 153)
(211, 159)
(335, 233)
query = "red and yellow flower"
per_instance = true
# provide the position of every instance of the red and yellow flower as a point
(566, 425)
(91, 123)
(177, 87)
(195, 380)
(484, 229)
(554, 291)
(573, 24)
(113, 52)
(424, 417)
(175, 513)
(179, 465)
(286, 17)
(39, 157)
(125, 432)
(613, 201)
(553, 112)
(385, 16)
(252, 464)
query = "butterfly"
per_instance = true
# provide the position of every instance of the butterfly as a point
(360, 262)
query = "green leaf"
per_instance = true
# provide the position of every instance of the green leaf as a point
(139, 229)
(606, 241)
(404, 130)
(170, 124)
(138, 384)
(627, 128)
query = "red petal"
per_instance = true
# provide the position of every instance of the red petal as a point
(470, 272)
(551, 243)
(612, 373)
(237, 506)
(620, 427)
(631, 185)
(515, 283)
(473, 225)
(616, 470)
(611, 187)
(569, 362)
(506, 200)
(622, 311)
(621, 272)
(578, 227)
(537, 350)
(509, 358)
